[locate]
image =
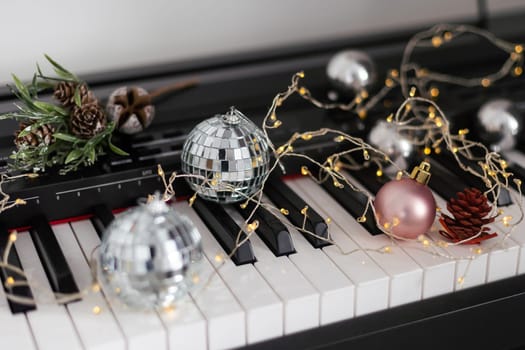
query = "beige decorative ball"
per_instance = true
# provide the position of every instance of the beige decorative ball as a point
(131, 109)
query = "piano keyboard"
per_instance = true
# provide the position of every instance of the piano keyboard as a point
(283, 290)
(247, 303)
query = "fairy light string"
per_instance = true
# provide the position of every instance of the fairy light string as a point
(436, 130)
(437, 37)
(5, 202)
(418, 117)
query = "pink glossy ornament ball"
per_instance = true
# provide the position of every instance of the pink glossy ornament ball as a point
(405, 207)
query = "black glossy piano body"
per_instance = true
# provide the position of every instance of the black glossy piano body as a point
(487, 316)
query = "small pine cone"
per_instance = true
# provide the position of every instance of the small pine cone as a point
(469, 217)
(42, 135)
(65, 93)
(88, 120)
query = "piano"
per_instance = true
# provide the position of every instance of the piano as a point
(304, 295)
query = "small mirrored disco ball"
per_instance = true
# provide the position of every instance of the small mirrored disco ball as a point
(231, 152)
(351, 71)
(499, 125)
(150, 256)
(397, 147)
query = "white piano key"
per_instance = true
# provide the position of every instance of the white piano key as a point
(514, 214)
(468, 272)
(34, 270)
(499, 262)
(97, 330)
(519, 239)
(502, 255)
(518, 233)
(301, 300)
(336, 291)
(226, 318)
(372, 283)
(185, 325)
(50, 323)
(503, 260)
(139, 335)
(264, 310)
(406, 275)
(15, 332)
(439, 274)
(438, 270)
(521, 259)
(3, 300)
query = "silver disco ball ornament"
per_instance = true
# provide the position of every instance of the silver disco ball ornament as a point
(150, 256)
(231, 152)
(499, 124)
(131, 109)
(351, 71)
(398, 147)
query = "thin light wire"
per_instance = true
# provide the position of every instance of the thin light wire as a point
(5, 202)
(416, 113)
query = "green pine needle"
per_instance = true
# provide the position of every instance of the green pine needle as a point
(66, 151)
(61, 71)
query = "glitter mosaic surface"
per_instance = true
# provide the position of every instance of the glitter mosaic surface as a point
(149, 256)
(230, 149)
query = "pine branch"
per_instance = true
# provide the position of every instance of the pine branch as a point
(62, 146)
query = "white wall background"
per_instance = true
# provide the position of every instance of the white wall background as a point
(96, 35)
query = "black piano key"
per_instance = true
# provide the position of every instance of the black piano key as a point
(53, 260)
(102, 217)
(225, 230)
(369, 179)
(14, 260)
(271, 230)
(284, 197)
(354, 203)
(444, 182)
(517, 170)
(469, 179)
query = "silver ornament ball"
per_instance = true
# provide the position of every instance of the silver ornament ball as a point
(351, 71)
(398, 147)
(499, 124)
(130, 108)
(150, 256)
(230, 151)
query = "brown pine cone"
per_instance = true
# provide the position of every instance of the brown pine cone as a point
(65, 93)
(469, 211)
(42, 135)
(88, 120)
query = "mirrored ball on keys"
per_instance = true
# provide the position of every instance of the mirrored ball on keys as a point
(227, 156)
(351, 71)
(499, 124)
(150, 256)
